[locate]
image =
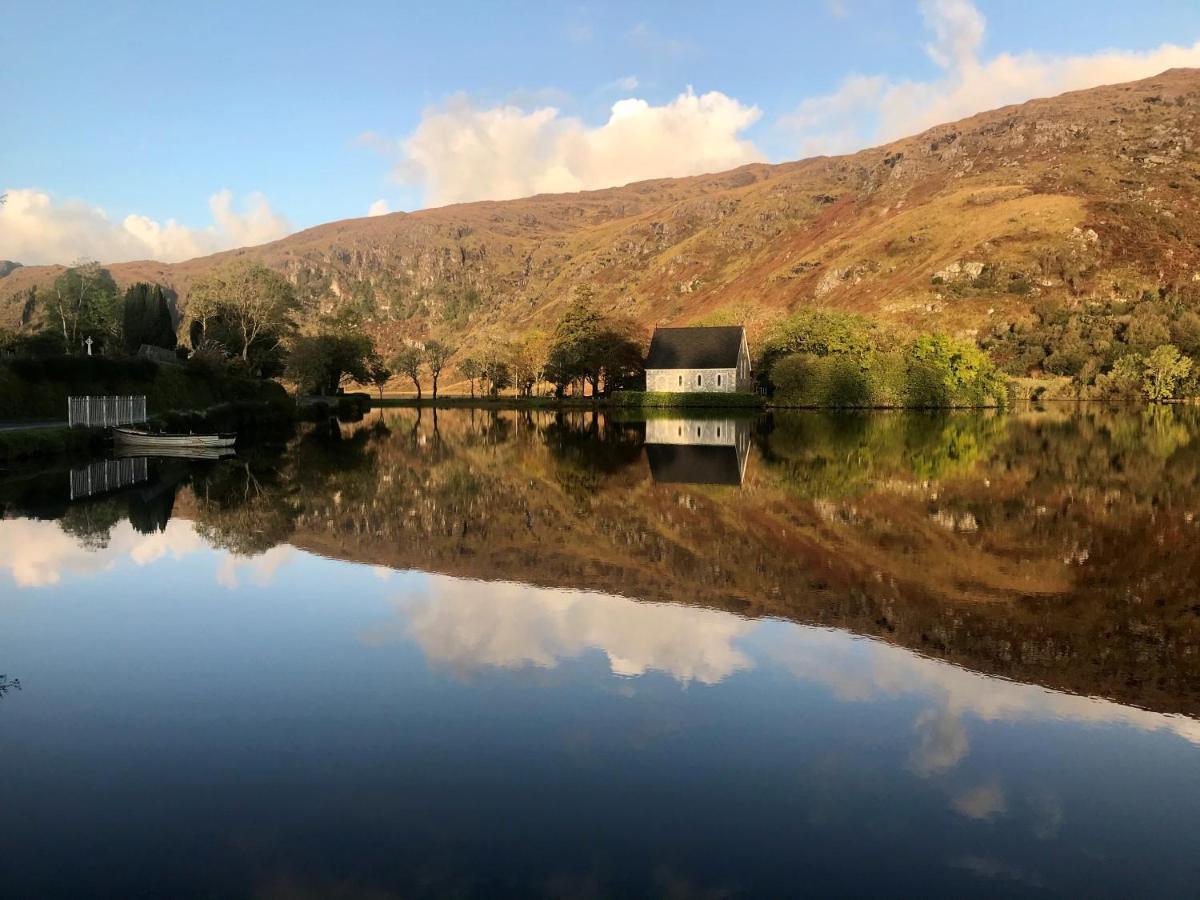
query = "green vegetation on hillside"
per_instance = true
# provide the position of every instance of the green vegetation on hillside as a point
(822, 358)
(1109, 349)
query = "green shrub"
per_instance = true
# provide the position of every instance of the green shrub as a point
(840, 382)
(943, 372)
(933, 371)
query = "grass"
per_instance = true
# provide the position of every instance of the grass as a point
(618, 400)
(57, 440)
(490, 402)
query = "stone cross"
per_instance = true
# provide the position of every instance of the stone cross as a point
(89, 346)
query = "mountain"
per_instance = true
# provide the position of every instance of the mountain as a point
(1088, 195)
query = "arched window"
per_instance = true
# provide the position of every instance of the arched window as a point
(718, 381)
(699, 380)
(681, 381)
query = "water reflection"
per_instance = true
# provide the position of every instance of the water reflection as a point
(495, 653)
(698, 451)
(1047, 547)
(467, 627)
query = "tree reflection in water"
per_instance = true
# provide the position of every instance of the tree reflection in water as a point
(8, 684)
(1053, 547)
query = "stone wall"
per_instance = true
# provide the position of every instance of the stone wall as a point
(691, 432)
(693, 380)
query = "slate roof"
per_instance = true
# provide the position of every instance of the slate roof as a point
(695, 348)
(694, 464)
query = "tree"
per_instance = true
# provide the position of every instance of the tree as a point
(496, 373)
(1185, 333)
(1148, 329)
(379, 373)
(1125, 377)
(408, 362)
(253, 303)
(84, 301)
(147, 318)
(820, 332)
(472, 369)
(526, 365)
(1165, 368)
(322, 363)
(437, 355)
(622, 353)
(589, 346)
(942, 371)
(575, 347)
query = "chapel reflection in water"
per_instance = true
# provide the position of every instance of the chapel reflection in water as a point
(698, 451)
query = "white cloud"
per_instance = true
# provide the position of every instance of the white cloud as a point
(37, 229)
(379, 208)
(462, 152)
(469, 625)
(37, 553)
(955, 696)
(868, 110)
(260, 569)
(981, 803)
(957, 28)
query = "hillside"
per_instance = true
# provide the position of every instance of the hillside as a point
(1092, 194)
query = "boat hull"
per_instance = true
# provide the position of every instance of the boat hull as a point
(135, 451)
(142, 439)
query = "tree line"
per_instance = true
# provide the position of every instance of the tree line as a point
(84, 303)
(248, 319)
(1144, 346)
(588, 351)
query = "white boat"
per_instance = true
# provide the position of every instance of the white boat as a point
(129, 437)
(134, 451)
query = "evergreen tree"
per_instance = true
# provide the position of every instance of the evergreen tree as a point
(147, 318)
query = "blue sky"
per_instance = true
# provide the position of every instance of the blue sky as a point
(150, 109)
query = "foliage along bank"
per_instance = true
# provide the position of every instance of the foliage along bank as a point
(1144, 347)
(37, 388)
(828, 359)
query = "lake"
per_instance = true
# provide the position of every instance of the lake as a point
(479, 653)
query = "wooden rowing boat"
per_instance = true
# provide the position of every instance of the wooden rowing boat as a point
(135, 451)
(128, 437)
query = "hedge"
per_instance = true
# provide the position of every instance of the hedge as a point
(38, 388)
(942, 375)
(710, 399)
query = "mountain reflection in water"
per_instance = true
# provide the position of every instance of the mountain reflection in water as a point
(488, 653)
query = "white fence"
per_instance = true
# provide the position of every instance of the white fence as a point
(105, 412)
(108, 475)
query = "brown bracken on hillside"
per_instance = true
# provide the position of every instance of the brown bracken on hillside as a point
(1089, 195)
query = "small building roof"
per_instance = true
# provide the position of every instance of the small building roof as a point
(714, 347)
(695, 464)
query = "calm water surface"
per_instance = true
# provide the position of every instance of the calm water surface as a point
(486, 654)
